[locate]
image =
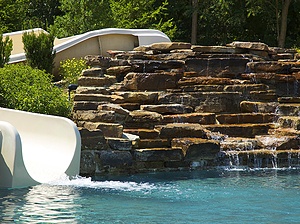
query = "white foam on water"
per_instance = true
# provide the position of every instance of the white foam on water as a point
(87, 182)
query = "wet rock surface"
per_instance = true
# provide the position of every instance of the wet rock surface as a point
(175, 106)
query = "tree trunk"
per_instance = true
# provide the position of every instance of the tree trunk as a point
(194, 22)
(283, 25)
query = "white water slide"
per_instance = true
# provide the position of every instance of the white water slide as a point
(36, 148)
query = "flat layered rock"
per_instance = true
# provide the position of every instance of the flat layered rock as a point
(86, 105)
(196, 149)
(94, 115)
(241, 118)
(158, 154)
(142, 97)
(245, 88)
(214, 66)
(203, 88)
(200, 118)
(289, 109)
(92, 139)
(263, 95)
(218, 102)
(278, 142)
(108, 129)
(96, 81)
(258, 107)
(269, 77)
(92, 89)
(113, 107)
(119, 143)
(249, 45)
(284, 132)
(178, 98)
(140, 116)
(93, 72)
(204, 81)
(292, 100)
(289, 122)
(118, 159)
(269, 67)
(154, 143)
(168, 108)
(97, 60)
(118, 69)
(150, 81)
(178, 130)
(240, 130)
(169, 46)
(98, 98)
(217, 49)
(143, 133)
(239, 144)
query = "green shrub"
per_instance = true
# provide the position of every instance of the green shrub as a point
(5, 50)
(39, 50)
(70, 69)
(28, 89)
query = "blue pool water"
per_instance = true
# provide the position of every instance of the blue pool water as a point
(220, 196)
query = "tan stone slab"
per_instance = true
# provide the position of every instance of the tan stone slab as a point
(245, 88)
(94, 115)
(196, 149)
(216, 49)
(269, 76)
(97, 60)
(140, 116)
(158, 154)
(289, 122)
(92, 89)
(108, 129)
(150, 81)
(238, 144)
(96, 81)
(113, 107)
(241, 118)
(168, 108)
(169, 46)
(93, 72)
(98, 97)
(200, 118)
(258, 107)
(240, 130)
(143, 97)
(118, 69)
(249, 45)
(178, 130)
(278, 142)
(119, 143)
(92, 139)
(154, 143)
(143, 133)
(204, 81)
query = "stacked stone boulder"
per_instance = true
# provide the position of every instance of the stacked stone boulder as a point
(174, 106)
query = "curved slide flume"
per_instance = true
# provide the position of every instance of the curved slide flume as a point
(36, 148)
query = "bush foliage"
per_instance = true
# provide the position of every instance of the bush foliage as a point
(28, 89)
(39, 50)
(5, 50)
(70, 69)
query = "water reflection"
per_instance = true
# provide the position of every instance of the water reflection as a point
(39, 204)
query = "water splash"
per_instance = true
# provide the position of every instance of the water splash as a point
(87, 182)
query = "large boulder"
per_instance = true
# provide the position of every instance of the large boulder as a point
(195, 149)
(150, 81)
(178, 130)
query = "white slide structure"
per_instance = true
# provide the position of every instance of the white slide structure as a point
(36, 148)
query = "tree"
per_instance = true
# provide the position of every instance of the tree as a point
(283, 26)
(143, 14)
(194, 22)
(80, 16)
(11, 15)
(5, 50)
(39, 50)
(40, 13)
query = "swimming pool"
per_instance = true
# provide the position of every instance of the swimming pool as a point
(215, 196)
